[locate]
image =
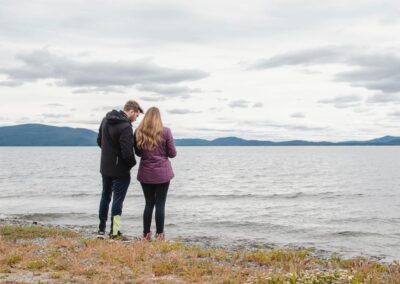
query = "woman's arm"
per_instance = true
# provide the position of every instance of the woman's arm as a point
(138, 152)
(171, 150)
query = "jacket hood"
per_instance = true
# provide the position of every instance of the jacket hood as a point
(115, 117)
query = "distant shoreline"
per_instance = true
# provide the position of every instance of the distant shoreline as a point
(49, 136)
(203, 146)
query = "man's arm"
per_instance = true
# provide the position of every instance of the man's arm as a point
(99, 134)
(126, 144)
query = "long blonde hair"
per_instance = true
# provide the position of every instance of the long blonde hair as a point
(149, 131)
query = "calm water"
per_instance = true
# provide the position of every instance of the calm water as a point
(336, 199)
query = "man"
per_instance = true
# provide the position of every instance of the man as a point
(115, 139)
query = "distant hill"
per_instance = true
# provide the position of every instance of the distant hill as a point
(385, 140)
(45, 135)
(234, 141)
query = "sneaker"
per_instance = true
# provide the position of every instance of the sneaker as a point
(147, 237)
(101, 235)
(119, 237)
(160, 236)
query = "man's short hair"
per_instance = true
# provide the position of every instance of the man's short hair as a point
(132, 105)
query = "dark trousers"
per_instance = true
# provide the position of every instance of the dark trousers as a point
(115, 187)
(155, 195)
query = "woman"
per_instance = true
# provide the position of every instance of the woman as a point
(154, 144)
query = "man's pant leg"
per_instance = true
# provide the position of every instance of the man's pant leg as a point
(105, 202)
(119, 187)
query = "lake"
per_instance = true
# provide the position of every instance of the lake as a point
(336, 199)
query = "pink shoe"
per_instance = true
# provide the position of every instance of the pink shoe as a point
(160, 236)
(147, 237)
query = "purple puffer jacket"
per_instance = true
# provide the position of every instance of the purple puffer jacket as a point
(154, 165)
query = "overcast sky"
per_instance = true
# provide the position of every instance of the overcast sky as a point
(270, 70)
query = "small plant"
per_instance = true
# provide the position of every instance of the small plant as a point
(36, 264)
(13, 259)
(4, 269)
(170, 246)
(90, 272)
(165, 267)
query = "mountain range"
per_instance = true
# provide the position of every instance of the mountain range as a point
(46, 135)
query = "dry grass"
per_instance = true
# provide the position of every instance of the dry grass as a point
(15, 232)
(66, 257)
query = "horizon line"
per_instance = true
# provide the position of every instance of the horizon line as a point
(220, 137)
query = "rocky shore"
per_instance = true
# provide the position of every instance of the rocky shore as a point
(34, 253)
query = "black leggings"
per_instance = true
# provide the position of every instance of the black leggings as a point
(155, 194)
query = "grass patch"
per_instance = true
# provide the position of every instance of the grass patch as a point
(90, 273)
(12, 260)
(96, 261)
(36, 264)
(5, 269)
(165, 267)
(32, 232)
(268, 257)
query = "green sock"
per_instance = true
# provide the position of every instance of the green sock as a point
(116, 224)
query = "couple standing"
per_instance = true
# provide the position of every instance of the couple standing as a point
(154, 144)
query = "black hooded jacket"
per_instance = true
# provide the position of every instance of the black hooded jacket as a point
(115, 139)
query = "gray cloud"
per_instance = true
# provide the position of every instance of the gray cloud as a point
(295, 127)
(395, 114)
(303, 127)
(177, 21)
(310, 72)
(99, 90)
(298, 127)
(215, 109)
(343, 101)
(55, 115)
(239, 104)
(85, 121)
(153, 98)
(265, 125)
(258, 104)
(9, 83)
(181, 111)
(208, 129)
(297, 115)
(306, 57)
(95, 75)
(179, 91)
(54, 105)
(170, 22)
(374, 71)
(362, 109)
(384, 98)
(107, 108)
(24, 120)
(185, 34)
